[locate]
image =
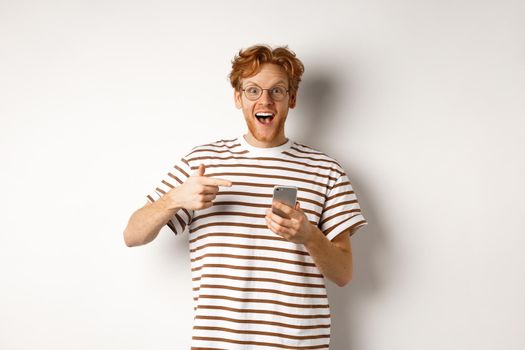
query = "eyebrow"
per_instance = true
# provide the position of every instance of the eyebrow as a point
(278, 82)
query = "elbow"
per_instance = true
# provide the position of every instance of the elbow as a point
(128, 241)
(347, 273)
(344, 282)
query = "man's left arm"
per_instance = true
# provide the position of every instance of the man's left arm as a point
(332, 258)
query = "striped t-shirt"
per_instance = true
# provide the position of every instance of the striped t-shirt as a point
(252, 289)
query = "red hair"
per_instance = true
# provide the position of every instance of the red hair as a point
(248, 62)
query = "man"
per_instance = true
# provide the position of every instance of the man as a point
(258, 278)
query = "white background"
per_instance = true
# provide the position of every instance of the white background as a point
(422, 102)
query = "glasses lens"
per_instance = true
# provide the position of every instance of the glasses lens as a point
(278, 93)
(253, 92)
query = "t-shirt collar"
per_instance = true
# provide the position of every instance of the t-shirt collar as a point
(264, 151)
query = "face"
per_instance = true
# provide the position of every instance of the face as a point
(271, 133)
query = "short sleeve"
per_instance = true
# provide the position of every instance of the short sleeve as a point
(174, 177)
(341, 209)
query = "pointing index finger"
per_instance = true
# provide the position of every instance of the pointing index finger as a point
(217, 182)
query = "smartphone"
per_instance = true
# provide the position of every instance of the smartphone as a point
(286, 195)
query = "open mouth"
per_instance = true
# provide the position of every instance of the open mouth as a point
(264, 117)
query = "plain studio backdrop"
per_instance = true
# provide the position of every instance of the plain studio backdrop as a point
(422, 102)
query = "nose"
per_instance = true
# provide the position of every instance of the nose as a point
(265, 98)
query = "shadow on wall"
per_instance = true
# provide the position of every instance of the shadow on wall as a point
(319, 97)
(315, 101)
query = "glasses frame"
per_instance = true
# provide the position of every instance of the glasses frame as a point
(262, 91)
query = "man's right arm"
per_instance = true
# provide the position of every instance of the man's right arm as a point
(196, 193)
(145, 223)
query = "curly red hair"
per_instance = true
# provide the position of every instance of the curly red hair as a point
(248, 62)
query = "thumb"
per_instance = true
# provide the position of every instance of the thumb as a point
(200, 171)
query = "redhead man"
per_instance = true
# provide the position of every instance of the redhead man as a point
(258, 277)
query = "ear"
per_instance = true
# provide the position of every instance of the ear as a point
(238, 98)
(293, 100)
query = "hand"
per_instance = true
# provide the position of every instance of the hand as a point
(197, 192)
(294, 228)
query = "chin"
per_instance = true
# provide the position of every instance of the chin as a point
(263, 137)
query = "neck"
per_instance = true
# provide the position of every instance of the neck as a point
(281, 140)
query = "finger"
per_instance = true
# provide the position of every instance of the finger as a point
(199, 171)
(278, 229)
(216, 182)
(206, 205)
(284, 222)
(283, 207)
(208, 197)
(209, 189)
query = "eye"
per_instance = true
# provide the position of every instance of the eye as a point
(252, 90)
(278, 90)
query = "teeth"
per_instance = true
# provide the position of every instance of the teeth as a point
(263, 114)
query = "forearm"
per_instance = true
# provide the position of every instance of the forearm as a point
(333, 262)
(145, 223)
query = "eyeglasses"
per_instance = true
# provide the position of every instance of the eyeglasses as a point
(253, 92)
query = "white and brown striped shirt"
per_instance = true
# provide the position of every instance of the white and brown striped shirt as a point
(252, 289)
